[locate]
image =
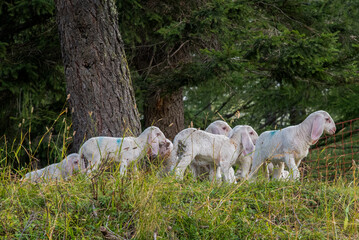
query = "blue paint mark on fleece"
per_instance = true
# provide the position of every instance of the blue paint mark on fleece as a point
(99, 140)
(272, 132)
(118, 141)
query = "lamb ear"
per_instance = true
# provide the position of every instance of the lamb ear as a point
(247, 143)
(214, 130)
(68, 171)
(67, 167)
(153, 142)
(317, 128)
(230, 133)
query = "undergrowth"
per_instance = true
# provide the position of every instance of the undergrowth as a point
(143, 206)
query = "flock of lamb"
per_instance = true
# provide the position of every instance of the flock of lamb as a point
(214, 151)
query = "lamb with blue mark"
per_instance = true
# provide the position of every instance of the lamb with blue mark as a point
(272, 132)
(125, 150)
(290, 145)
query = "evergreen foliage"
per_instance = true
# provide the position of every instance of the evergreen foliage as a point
(270, 63)
(274, 62)
(31, 73)
(293, 63)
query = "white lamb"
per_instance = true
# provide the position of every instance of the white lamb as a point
(217, 127)
(125, 150)
(57, 171)
(284, 173)
(165, 149)
(245, 161)
(290, 145)
(206, 148)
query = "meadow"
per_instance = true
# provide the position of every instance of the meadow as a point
(143, 206)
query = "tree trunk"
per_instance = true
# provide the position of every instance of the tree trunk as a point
(165, 112)
(98, 79)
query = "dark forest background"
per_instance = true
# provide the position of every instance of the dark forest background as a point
(262, 63)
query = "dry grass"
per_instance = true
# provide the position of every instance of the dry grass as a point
(143, 206)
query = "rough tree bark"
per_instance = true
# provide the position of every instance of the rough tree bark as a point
(165, 112)
(97, 75)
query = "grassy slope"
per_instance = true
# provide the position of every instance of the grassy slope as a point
(142, 205)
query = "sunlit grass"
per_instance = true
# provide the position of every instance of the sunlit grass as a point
(142, 206)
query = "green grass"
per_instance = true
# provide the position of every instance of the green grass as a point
(141, 205)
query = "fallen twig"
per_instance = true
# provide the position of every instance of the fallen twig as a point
(108, 234)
